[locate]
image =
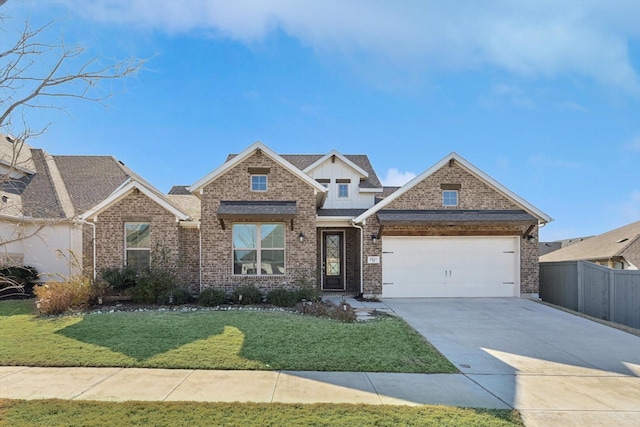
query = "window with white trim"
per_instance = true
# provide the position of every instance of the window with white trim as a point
(137, 242)
(258, 249)
(343, 191)
(258, 182)
(450, 198)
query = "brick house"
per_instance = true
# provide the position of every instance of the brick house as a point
(278, 220)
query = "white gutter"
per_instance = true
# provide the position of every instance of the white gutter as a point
(353, 224)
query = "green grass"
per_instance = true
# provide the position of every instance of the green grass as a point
(216, 340)
(55, 413)
(15, 307)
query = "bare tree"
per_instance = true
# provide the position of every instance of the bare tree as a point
(39, 71)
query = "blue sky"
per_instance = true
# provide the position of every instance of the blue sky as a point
(544, 96)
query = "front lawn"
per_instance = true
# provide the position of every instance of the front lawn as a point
(260, 340)
(55, 413)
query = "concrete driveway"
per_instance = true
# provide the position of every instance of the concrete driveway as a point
(556, 368)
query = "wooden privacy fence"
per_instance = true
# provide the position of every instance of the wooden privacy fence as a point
(592, 289)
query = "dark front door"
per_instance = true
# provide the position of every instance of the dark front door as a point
(333, 261)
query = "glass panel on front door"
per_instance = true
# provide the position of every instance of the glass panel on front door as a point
(332, 260)
(333, 255)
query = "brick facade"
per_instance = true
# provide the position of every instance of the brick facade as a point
(165, 232)
(473, 194)
(234, 184)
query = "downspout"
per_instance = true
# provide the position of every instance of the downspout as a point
(200, 256)
(353, 224)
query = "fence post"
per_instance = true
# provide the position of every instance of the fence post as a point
(612, 296)
(580, 288)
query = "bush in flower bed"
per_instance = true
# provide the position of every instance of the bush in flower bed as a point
(246, 294)
(213, 297)
(59, 297)
(283, 297)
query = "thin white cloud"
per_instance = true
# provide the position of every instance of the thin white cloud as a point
(395, 178)
(634, 144)
(538, 39)
(505, 93)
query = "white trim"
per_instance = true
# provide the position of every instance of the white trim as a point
(326, 157)
(370, 190)
(542, 217)
(124, 191)
(198, 186)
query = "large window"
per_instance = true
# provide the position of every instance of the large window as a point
(258, 249)
(137, 241)
(258, 183)
(450, 198)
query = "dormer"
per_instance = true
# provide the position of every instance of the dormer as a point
(350, 185)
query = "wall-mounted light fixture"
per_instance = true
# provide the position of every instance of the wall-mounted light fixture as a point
(531, 238)
(374, 238)
(301, 237)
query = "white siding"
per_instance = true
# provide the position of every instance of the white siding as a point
(340, 170)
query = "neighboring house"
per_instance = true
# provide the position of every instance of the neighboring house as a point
(277, 220)
(618, 249)
(546, 247)
(280, 220)
(42, 197)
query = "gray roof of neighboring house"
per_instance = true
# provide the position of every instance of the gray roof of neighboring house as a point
(90, 179)
(621, 242)
(34, 195)
(454, 216)
(65, 186)
(546, 247)
(259, 208)
(302, 161)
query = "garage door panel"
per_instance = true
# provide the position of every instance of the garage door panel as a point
(450, 266)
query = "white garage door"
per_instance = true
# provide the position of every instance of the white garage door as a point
(450, 267)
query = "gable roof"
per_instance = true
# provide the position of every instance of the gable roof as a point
(334, 153)
(466, 165)
(127, 189)
(16, 154)
(197, 187)
(620, 242)
(303, 161)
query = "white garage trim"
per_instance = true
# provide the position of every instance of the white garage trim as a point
(428, 266)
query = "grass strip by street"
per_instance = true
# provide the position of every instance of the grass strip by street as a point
(54, 413)
(255, 340)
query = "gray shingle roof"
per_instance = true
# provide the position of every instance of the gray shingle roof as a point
(302, 161)
(39, 198)
(260, 208)
(453, 216)
(620, 242)
(90, 179)
(179, 190)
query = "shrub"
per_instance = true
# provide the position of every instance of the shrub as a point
(212, 297)
(246, 294)
(283, 297)
(343, 313)
(59, 297)
(121, 279)
(180, 296)
(152, 284)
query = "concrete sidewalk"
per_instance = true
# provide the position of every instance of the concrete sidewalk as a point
(121, 384)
